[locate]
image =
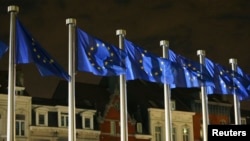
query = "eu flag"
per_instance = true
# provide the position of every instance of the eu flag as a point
(243, 79)
(99, 57)
(192, 74)
(144, 65)
(28, 50)
(222, 80)
(3, 49)
(225, 80)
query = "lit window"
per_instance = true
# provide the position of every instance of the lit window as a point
(139, 127)
(201, 133)
(243, 121)
(223, 122)
(112, 128)
(185, 133)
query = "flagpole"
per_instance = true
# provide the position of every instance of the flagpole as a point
(123, 99)
(237, 116)
(71, 85)
(13, 10)
(167, 96)
(201, 54)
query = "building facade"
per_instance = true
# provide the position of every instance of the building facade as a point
(182, 125)
(47, 119)
(39, 122)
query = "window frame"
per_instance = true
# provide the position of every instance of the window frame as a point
(174, 129)
(243, 121)
(20, 125)
(64, 119)
(186, 135)
(158, 134)
(139, 127)
(62, 110)
(88, 115)
(112, 127)
(41, 111)
(173, 105)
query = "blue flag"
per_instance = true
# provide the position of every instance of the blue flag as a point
(222, 80)
(244, 80)
(192, 74)
(99, 57)
(225, 80)
(28, 50)
(144, 65)
(3, 49)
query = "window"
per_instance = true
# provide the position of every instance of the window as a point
(62, 115)
(41, 120)
(20, 125)
(173, 133)
(64, 120)
(87, 122)
(157, 133)
(172, 105)
(1, 123)
(223, 122)
(185, 132)
(112, 128)
(201, 129)
(19, 90)
(88, 119)
(243, 121)
(139, 127)
(41, 116)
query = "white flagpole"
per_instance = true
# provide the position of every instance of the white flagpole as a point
(201, 54)
(123, 93)
(13, 10)
(71, 85)
(237, 116)
(167, 97)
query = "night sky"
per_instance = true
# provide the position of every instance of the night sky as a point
(220, 27)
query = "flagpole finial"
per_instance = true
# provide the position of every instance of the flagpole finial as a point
(164, 43)
(232, 61)
(71, 21)
(201, 52)
(13, 8)
(121, 32)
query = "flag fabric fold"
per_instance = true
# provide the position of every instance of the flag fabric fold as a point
(144, 65)
(226, 81)
(28, 50)
(193, 74)
(99, 57)
(3, 49)
(244, 80)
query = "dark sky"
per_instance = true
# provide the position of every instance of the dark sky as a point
(220, 27)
